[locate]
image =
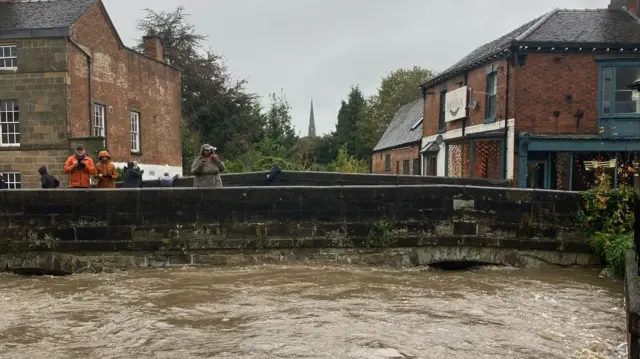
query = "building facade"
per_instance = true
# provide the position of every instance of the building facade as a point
(541, 105)
(398, 151)
(67, 78)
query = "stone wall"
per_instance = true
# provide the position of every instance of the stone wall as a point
(301, 178)
(427, 224)
(40, 88)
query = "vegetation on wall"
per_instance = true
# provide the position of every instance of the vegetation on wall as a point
(607, 219)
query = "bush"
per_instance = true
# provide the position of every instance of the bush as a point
(607, 220)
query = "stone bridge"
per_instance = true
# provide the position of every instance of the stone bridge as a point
(360, 219)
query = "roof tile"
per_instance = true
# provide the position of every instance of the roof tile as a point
(399, 130)
(33, 14)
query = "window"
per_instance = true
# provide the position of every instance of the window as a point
(406, 170)
(618, 97)
(387, 163)
(12, 180)
(8, 57)
(135, 131)
(98, 121)
(9, 123)
(416, 167)
(417, 124)
(397, 167)
(430, 162)
(492, 89)
(443, 109)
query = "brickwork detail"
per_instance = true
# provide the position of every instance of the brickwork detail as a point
(398, 156)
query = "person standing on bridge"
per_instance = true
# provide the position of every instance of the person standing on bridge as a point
(207, 168)
(80, 168)
(274, 176)
(106, 172)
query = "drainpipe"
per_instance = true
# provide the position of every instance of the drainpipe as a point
(90, 89)
(506, 124)
(466, 117)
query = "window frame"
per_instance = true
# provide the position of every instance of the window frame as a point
(442, 124)
(397, 167)
(416, 166)
(17, 180)
(406, 167)
(5, 109)
(491, 94)
(387, 162)
(132, 114)
(601, 93)
(13, 57)
(95, 118)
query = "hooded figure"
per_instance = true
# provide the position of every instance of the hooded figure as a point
(274, 176)
(47, 180)
(3, 185)
(167, 180)
(106, 172)
(207, 168)
(132, 176)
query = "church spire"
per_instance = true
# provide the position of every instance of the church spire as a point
(312, 122)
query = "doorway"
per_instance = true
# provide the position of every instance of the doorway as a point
(537, 174)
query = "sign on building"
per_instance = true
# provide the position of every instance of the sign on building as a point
(456, 104)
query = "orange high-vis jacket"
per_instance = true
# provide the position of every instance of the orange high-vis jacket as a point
(79, 177)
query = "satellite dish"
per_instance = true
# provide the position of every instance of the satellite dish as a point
(439, 140)
(473, 104)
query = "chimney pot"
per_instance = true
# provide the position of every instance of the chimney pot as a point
(152, 46)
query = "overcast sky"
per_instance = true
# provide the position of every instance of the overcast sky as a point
(319, 48)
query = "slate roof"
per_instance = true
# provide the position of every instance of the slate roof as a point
(399, 130)
(560, 26)
(35, 14)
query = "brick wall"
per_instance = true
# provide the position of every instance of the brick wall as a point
(40, 87)
(124, 81)
(398, 156)
(288, 217)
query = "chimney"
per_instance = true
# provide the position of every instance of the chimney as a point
(633, 6)
(152, 46)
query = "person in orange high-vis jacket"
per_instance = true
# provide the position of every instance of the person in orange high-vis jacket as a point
(106, 172)
(80, 168)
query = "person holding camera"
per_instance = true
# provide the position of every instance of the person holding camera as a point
(80, 168)
(206, 168)
(106, 172)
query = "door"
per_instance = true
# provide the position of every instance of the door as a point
(537, 174)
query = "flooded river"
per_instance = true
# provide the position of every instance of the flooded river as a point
(313, 312)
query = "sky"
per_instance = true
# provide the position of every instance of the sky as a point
(318, 49)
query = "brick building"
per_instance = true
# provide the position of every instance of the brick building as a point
(539, 104)
(398, 150)
(67, 78)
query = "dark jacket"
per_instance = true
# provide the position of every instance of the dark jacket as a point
(3, 184)
(275, 175)
(47, 180)
(132, 177)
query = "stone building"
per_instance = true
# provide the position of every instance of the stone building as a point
(541, 103)
(67, 78)
(398, 150)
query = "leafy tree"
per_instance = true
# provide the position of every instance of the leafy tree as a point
(278, 137)
(349, 164)
(351, 112)
(214, 106)
(399, 88)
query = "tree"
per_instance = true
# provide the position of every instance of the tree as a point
(351, 112)
(399, 88)
(214, 106)
(279, 136)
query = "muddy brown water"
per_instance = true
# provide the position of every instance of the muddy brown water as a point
(314, 312)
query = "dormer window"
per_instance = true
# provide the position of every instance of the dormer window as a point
(8, 57)
(417, 124)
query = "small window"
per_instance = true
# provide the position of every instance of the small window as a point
(492, 89)
(9, 123)
(416, 167)
(397, 167)
(8, 57)
(406, 170)
(135, 131)
(387, 163)
(12, 180)
(98, 121)
(417, 124)
(443, 109)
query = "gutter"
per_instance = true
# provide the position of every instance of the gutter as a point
(89, 81)
(506, 116)
(467, 111)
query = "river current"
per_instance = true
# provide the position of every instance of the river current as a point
(314, 312)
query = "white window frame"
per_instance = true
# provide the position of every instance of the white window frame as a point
(99, 128)
(12, 180)
(8, 116)
(135, 131)
(11, 57)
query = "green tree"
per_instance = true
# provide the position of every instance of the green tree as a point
(278, 136)
(398, 88)
(351, 112)
(214, 106)
(349, 164)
